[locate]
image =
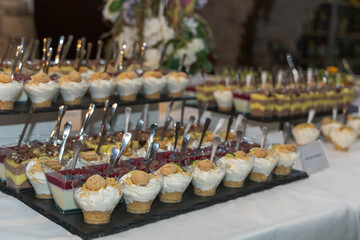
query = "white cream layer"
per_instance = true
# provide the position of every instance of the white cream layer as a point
(354, 124)
(326, 128)
(9, 91)
(223, 98)
(175, 85)
(264, 165)
(343, 138)
(207, 180)
(72, 90)
(101, 88)
(153, 85)
(42, 92)
(177, 182)
(37, 180)
(128, 87)
(305, 135)
(287, 159)
(237, 170)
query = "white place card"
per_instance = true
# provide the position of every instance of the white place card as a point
(313, 157)
(276, 137)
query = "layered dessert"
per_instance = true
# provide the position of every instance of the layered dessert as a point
(97, 199)
(129, 85)
(282, 103)
(224, 99)
(73, 87)
(9, 90)
(343, 137)
(41, 90)
(296, 104)
(305, 133)
(264, 164)
(354, 123)
(242, 102)
(101, 87)
(154, 83)
(176, 180)
(327, 125)
(286, 154)
(238, 168)
(207, 176)
(140, 190)
(176, 83)
(262, 104)
(205, 94)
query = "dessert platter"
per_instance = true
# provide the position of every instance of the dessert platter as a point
(100, 184)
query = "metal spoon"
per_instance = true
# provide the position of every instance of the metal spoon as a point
(286, 131)
(166, 126)
(216, 142)
(182, 112)
(142, 56)
(100, 45)
(48, 58)
(58, 50)
(168, 111)
(77, 148)
(219, 125)
(104, 132)
(239, 136)
(112, 117)
(88, 52)
(43, 58)
(311, 115)
(66, 49)
(334, 113)
(177, 130)
(153, 129)
(185, 143)
(189, 124)
(28, 120)
(28, 50)
(238, 122)
(34, 50)
(154, 149)
(86, 121)
(77, 54)
(138, 127)
(105, 112)
(264, 132)
(54, 134)
(18, 53)
(345, 114)
(144, 116)
(244, 125)
(65, 137)
(116, 153)
(181, 65)
(205, 128)
(230, 121)
(127, 118)
(201, 111)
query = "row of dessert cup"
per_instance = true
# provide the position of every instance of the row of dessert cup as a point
(42, 90)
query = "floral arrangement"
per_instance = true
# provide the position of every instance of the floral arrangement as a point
(170, 28)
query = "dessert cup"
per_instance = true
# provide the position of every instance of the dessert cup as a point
(238, 168)
(224, 99)
(207, 176)
(176, 180)
(101, 87)
(176, 83)
(327, 125)
(354, 123)
(205, 94)
(262, 104)
(97, 199)
(264, 164)
(242, 102)
(286, 154)
(41, 90)
(73, 87)
(282, 104)
(9, 90)
(140, 190)
(343, 137)
(154, 83)
(305, 133)
(128, 85)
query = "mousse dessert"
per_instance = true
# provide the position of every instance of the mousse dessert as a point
(97, 199)
(85, 73)
(224, 99)
(73, 87)
(264, 164)
(343, 137)
(9, 90)
(128, 85)
(101, 87)
(176, 180)
(207, 176)
(305, 133)
(154, 83)
(238, 168)
(327, 125)
(286, 154)
(140, 190)
(41, 90)
(176, 83)
(354, 123)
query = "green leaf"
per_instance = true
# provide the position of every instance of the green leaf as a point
(115, 5)
(207, 66)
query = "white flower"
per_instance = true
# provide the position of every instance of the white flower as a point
(191, 24)
(129, 36)
(152, 58)
(196, 45)
(156, 30)
(107, 14)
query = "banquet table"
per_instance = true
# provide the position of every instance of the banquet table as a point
(324, 206)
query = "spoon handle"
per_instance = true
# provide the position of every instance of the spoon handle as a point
(216, 142)
(112, 117)
(104, 131)
(205, 128)
(54, 134)
(189, 124)
(66, 49)
(34, 50)
(177, 130)
(100, 45)
(58, 50)
(87, 120)
(230, 121)
(105, 112)
(311, 115)
(152, 155)
(138, 127)
(77, 148)
(239, 136)
(66, 134)
(185, 143)
(153, 129)
(264, 131)
(19, 52)
(166, 126)
(182, 112)
(28, 120)
(286, 131)
(144, 116)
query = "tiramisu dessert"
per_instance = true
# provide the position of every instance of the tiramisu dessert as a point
(97, 199)
(286, 154)
(154, 83)
(176, 180)
(140, 190)
(343, 137)
(238, 168)
(129, 85)
(176, 83)
(305, 133)
(264, 164)
(101, 87)
(9, 90)
(207, 176)
(327, 125)
(73, 87)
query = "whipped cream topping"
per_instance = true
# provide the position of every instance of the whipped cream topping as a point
(9, 91)
(177, 182)
(86, 74)
(128, 87)
(327, 128)
(154, 85)
(101, 88)
(224, 98)
(237, 169)
(264, 165)
(175, 85)
(42, 92)
(305, 135)
(72, 90)
(103, 200)
(207, 180)
(37, 179)
(344, 138)
(286, 159)
(141, 193)
(354, 124)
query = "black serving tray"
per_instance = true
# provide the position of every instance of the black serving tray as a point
(122, 221)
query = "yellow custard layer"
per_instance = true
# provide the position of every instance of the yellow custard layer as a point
(17, 179)
(205, 98)
(261, 107)
(282, 107)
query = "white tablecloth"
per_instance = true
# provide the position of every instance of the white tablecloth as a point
(324, 206)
